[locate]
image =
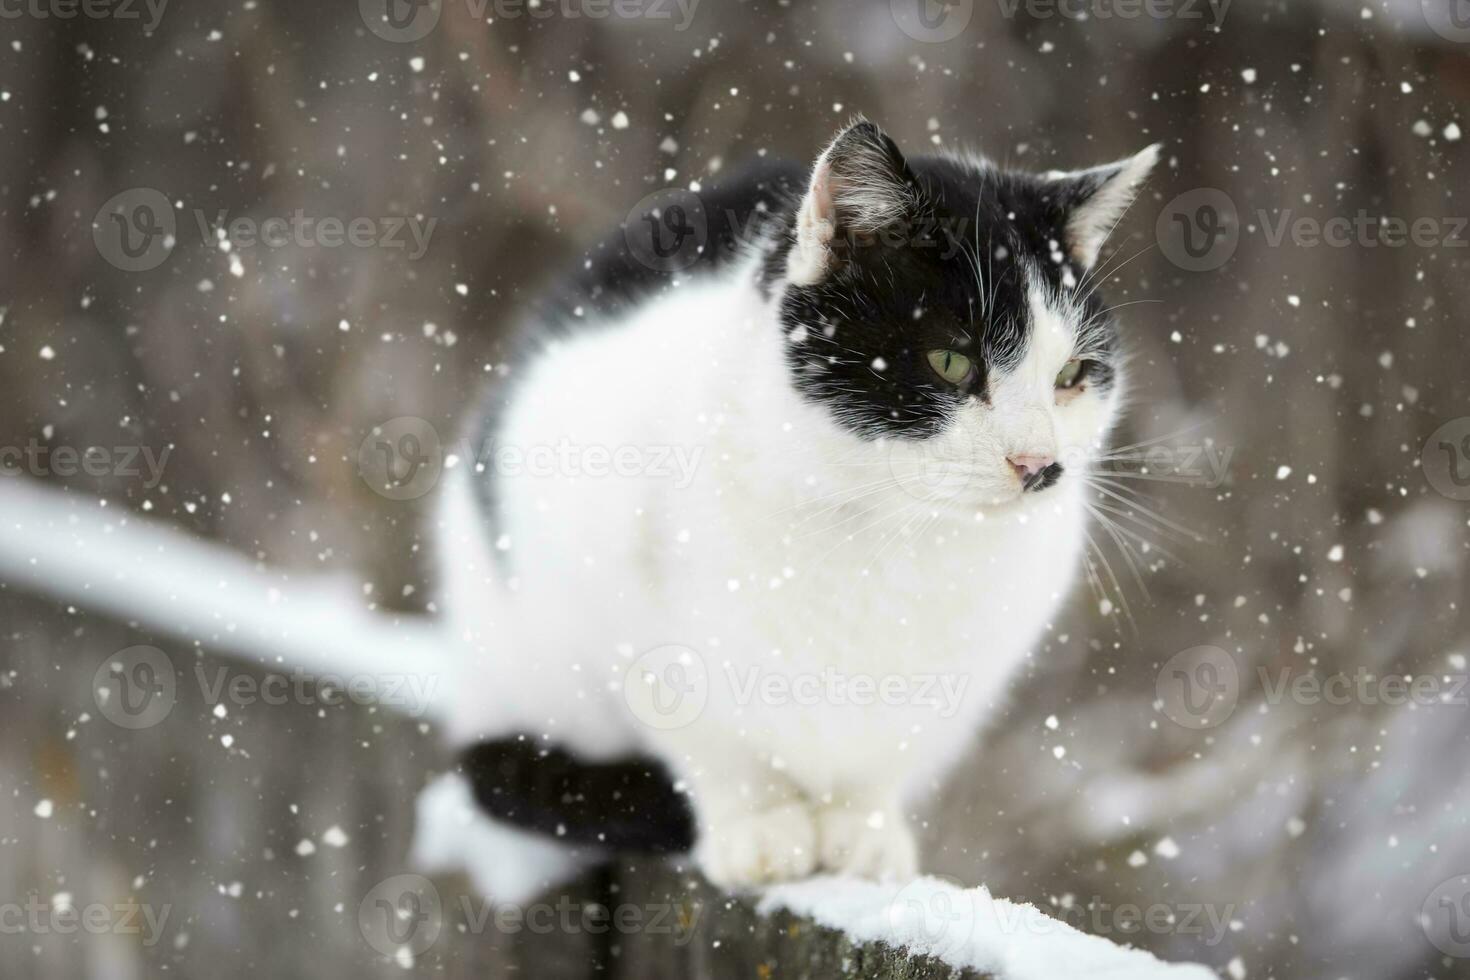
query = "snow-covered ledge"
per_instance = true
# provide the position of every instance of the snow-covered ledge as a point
(968, 930)
(827, 928)
(820, 928)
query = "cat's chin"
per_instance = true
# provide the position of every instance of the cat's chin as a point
(978, 504)
(969, 503)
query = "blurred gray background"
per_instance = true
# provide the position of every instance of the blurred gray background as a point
(1330, 833)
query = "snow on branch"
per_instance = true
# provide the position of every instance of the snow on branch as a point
(927, 929)
(969, 930)
(76, 549)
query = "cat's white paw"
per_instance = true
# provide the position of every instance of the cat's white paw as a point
(873, 844)
(760, 848)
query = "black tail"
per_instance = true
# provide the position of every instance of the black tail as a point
(630, 805)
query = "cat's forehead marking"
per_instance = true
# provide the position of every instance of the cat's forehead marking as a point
(1044, 336)
(1053, 324)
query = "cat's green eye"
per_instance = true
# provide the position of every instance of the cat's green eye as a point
(951, 365)
(1071, 374)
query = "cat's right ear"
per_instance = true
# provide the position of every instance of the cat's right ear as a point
(860, 183)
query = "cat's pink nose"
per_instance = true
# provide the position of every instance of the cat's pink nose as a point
(1028, 466)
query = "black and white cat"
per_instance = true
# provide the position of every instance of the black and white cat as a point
(886, 377)
(879, 387)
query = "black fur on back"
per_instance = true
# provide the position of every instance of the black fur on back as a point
(609, 279)
(733, 212)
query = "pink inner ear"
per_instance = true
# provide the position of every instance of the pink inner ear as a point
(816, 223)
(820, 194)
(860, 178)
(1094, 219)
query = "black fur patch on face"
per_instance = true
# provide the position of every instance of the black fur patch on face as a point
(953, 273)
(629, 805)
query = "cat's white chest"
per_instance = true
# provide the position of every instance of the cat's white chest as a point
(880, 643)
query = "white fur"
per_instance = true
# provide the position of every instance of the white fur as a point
(796, 548)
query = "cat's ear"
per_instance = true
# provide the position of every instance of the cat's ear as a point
(860, 184)
(1096, 200)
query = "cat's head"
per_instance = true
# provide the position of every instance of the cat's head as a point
(945, 312)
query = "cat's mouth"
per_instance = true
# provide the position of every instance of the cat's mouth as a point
(1041, 479)
(1000, 498)
(956, 476)
(1021, 489)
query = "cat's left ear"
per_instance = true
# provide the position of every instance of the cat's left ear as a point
(1095, 200)
(860, 184)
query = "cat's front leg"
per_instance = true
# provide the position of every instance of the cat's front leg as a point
(866, 834)
(755, 826)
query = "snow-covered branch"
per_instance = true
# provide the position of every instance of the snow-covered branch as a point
(966, 929)
(926, 929)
